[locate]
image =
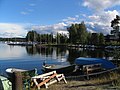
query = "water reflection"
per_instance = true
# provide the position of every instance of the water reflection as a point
(30, 57)
(48, 52)
(70, 54)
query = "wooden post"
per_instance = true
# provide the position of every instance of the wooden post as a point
(17, 83)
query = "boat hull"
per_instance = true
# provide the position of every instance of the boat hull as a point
(64, 70)
(106, 64)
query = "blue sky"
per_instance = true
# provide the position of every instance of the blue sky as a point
(17, 17)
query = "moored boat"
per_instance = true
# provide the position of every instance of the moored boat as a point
(10, 71)
(23, 43)
(65, 69)
(106, 64)
(20, 78)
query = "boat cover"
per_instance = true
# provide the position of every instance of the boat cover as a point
(5, 84)
(106, 64)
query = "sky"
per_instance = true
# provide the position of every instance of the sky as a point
(17, 17)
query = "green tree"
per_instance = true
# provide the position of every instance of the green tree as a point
(95, 38)
(82, 33)
(77, 33)
(61, 38)
(115, 24)
(32, 36)
(72, 33)
(88, 38)
(101, 39)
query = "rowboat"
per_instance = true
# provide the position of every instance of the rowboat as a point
(20, 78)
(65, 69)
(10, 71)
(106, 64)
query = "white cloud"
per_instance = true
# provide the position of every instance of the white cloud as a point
(90, 30)
(28, 10)
(95, 23)
(77, 16)
(102, 22)
(50, 28)
(24, 13)
(69, 19)
(100, 5)
(12, 30)
(101, 19)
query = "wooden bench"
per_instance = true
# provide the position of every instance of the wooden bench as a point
(91, 68)
(48, 79)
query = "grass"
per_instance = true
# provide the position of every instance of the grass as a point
(108, 78)
(71, 85)
(109, 81)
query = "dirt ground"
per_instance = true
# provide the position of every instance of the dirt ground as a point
(79, 85)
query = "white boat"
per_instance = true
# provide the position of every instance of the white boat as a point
(10, 71)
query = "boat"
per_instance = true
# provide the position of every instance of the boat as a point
(10, 71)
(106, 64)
(22, 43)
(5, 84)
(65, 69)
(20, 78)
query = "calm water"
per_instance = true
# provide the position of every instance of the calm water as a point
(33, 57)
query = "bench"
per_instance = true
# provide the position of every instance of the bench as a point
(47, 79)
(91, 68)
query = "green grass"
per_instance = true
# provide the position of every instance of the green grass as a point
(109, 81)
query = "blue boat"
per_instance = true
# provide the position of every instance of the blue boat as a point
(106, 64)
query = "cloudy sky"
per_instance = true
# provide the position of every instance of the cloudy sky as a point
(17, 17)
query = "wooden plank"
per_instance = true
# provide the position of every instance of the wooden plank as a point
(60, 77)
(46, 80)
(92, 67)
(52, 82)
(44, 75)
(36, 83)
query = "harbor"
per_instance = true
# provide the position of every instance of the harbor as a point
(34, 57)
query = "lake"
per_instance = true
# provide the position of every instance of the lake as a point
(29, 57)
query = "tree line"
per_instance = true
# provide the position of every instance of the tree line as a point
(33, 36)
(78, 34)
